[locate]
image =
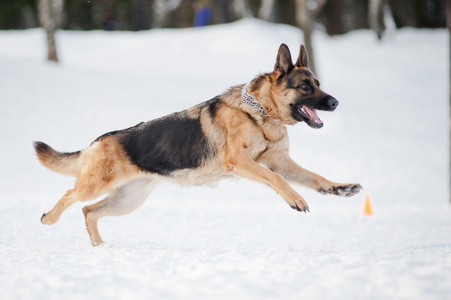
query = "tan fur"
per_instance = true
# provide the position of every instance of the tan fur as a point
(252, 144)
(52, 160)
(103, 167)
(245, 142)
(248, 144)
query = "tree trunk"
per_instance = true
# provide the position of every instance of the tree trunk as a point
(161, 12)
(224, 11)
(266, 10)
(240, 8)
(47, 18)
(303, 18)
(376, 16)
(306, 13)
(309, 47)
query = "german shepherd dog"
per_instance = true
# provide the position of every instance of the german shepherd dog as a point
(241, 132)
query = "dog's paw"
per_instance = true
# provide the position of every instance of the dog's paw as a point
(299, 204)
(300, 208)
(103, 244)
(346, 190)
(47, 219)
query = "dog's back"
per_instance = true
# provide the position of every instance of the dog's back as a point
(241, 132)
(167, 144)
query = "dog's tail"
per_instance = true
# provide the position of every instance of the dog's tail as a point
(59, 162)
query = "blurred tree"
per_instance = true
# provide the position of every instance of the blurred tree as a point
(342, 16)
(50, 12)
(18, 14)
(109, 14)
(141, 13)
(337, 16)
(182, 15)
(376, 16)
(306, 13)
(285, 11)
(419, 13)
(79, 15)
(266, 11)
(223, 11)
(161, 10)
(241, 8)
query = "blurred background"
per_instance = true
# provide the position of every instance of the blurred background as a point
(333, 16)
(123, 62)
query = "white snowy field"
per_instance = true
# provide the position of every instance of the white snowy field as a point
(238, 240)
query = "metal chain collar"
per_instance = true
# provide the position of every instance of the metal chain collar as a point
(249, 100)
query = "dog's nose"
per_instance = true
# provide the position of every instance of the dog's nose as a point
(332, 102)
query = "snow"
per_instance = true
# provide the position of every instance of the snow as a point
(239, 239)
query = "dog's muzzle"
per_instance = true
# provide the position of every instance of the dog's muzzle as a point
(328, 103)
(305, 110)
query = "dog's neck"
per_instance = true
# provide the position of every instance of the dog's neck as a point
(250, 100)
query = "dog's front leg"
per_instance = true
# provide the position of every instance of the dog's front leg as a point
(241, 164)
(284, 165)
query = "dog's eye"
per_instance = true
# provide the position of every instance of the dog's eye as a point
(304, 86)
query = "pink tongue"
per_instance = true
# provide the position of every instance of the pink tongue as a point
(312, 114)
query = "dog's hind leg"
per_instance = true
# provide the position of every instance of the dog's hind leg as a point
(84, 190)
(121, 201)
(103, 168)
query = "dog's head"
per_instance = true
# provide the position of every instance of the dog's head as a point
(296, 92)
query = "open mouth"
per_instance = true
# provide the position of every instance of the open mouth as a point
(309, 115)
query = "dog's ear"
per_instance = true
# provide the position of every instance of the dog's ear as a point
(302, 61)
(283, 60)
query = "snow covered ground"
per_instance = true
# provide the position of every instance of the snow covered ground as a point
(238, 240)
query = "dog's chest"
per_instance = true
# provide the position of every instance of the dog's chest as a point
(273, 132)
(270, 136)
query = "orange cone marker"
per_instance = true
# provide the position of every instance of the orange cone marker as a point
(367, 210)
